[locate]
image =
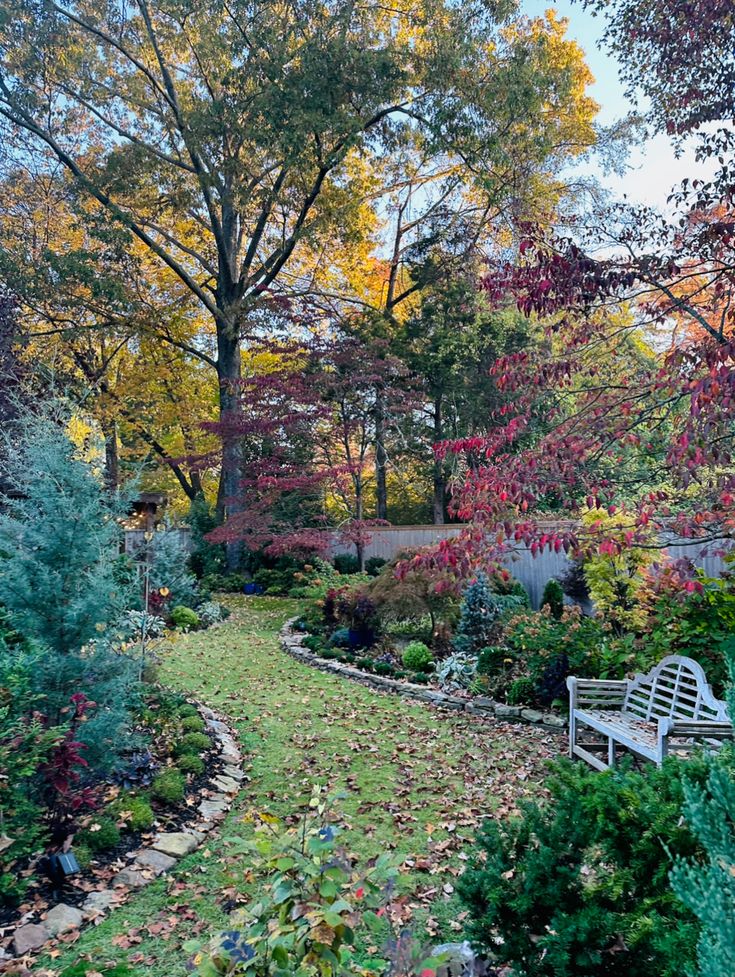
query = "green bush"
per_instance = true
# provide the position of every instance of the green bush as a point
(419, 678)
(365, 663)
(417, 657)
(481, 614)
(191, 763)
(192, 724)
(707, 886)
(277, 581)
(700, 625)
(165, 703)
(169, 786)
(384, 668)
(491, 660)
(186, 710)
(346, 563)
(192, 743)
(553, 598)
(503, 582)
(224, 583)
(101, 835)
(135, 811)
(579, 884)
(536, 639)
(520, 692)
(340, 638)
(82, 854)
(185, 618)
(314, 643)
(169, 569)
(302, 865)
(374, 565)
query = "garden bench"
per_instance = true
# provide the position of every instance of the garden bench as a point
(673, 702)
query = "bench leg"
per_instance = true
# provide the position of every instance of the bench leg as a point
(610, 752)
(572, 734)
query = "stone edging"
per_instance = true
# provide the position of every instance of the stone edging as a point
(147, 863)
(292, 644)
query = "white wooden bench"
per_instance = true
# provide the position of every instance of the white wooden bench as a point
(672, 709)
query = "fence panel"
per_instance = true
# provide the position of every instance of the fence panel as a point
(532, 571)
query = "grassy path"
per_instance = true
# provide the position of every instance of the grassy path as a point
(417, 782)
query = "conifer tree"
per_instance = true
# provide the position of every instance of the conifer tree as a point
(708, 887)
(61, 580)
(481, 611)
(59, 540)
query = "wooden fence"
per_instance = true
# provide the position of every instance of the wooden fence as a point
(533, 572)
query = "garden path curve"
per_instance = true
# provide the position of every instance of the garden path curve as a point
(417, 781)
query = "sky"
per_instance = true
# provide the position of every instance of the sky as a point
(654, 167)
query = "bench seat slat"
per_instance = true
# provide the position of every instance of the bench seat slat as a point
(636, 734)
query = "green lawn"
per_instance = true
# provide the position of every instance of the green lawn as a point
(417, 782)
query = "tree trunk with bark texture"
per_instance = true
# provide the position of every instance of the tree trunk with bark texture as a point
(228, 375)
(112, 457)
(439, 499)
(381, 459)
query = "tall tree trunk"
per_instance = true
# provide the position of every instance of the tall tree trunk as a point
(359, 517)
(440, 490)
(112, 457)
(228, 374)
(381, 458)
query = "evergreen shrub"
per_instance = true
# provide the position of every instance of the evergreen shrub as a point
(553, 598)
(578, 885)
(192, 724)
(63, 586)
(346, 563)
(186, 710)
(185, 618)
(169, 787)
(481, 614)
(101, 835)
(418, 657)
(192, 743)
(707, 884)
(419, 678)
(374, 565)
(135, 811)
(521, 692)
(191, 763)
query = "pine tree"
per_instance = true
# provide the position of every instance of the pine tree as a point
(62, 584)
(708, 887)
(480, 616)
(169, 568)
(59, 541)
(553, 597)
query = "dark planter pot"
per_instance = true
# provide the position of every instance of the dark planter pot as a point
(249, 588)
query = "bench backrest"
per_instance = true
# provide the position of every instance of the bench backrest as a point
(675, 688)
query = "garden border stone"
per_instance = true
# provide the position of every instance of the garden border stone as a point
(150, 861)
(292, 643)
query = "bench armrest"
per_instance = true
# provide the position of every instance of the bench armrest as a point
(696, 728)
(596, 692)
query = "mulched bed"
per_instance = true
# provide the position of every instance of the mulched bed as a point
(42, 894)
